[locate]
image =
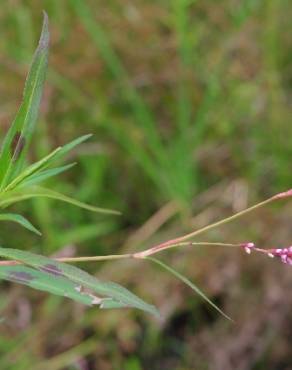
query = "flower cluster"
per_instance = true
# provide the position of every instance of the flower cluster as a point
(285, 254)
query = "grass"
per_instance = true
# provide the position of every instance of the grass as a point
(180, 96)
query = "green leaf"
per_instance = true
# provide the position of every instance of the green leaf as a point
(33, 174)
(57, 285)
(44, 175)
(32, 169)
(35, 168)
(16, 142)
(189, 283)
(20, 220)
(108, 289)
(18, 195)
(68, 147)
(109, 303)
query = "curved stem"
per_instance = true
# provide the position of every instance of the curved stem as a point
(170, 243)
(154, 250)
(177, 242)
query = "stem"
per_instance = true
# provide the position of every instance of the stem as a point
(170, 243)
(177, 242)
(121, 256)
(76, 259)
(154, 250)
(95, 258)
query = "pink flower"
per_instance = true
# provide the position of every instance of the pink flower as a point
(248, 247)
(284, 253)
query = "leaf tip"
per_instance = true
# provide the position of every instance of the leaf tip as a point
(38, 232)
(45, 35)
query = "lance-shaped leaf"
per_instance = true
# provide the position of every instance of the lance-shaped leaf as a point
(187, 282)
(21, 194)
(71, 145)
(16, 142)
(31, 170)
(20, 220)
(44, 175)
(109, 303)
(34, 173)
(57, 285)
(121, 295)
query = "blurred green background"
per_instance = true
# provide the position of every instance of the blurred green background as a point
(190, 106)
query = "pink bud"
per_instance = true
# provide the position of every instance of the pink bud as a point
(248, 247)
(284, 253)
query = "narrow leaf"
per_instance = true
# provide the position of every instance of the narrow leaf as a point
(82, 278)
(36, 191)
(16, 142)
(35, 168)
(44, 175)
(109, 303)
(189, 283)
(32, 169)
(68, 147)
(20, 220)
(57, 285)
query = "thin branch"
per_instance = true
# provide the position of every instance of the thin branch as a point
(76, 259)
(123, 256)
(168, 244)
(177, 242)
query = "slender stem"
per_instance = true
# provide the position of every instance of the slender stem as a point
(155, 250)
(170, 243)
(76, 259)
(226, 220)
(177, 242)
(95, 258)
(122, 256)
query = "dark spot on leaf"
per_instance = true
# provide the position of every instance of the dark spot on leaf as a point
(52, 269)
(15, 141)
(19, 276)
(17, 145)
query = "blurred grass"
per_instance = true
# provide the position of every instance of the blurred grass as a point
(190, 106)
